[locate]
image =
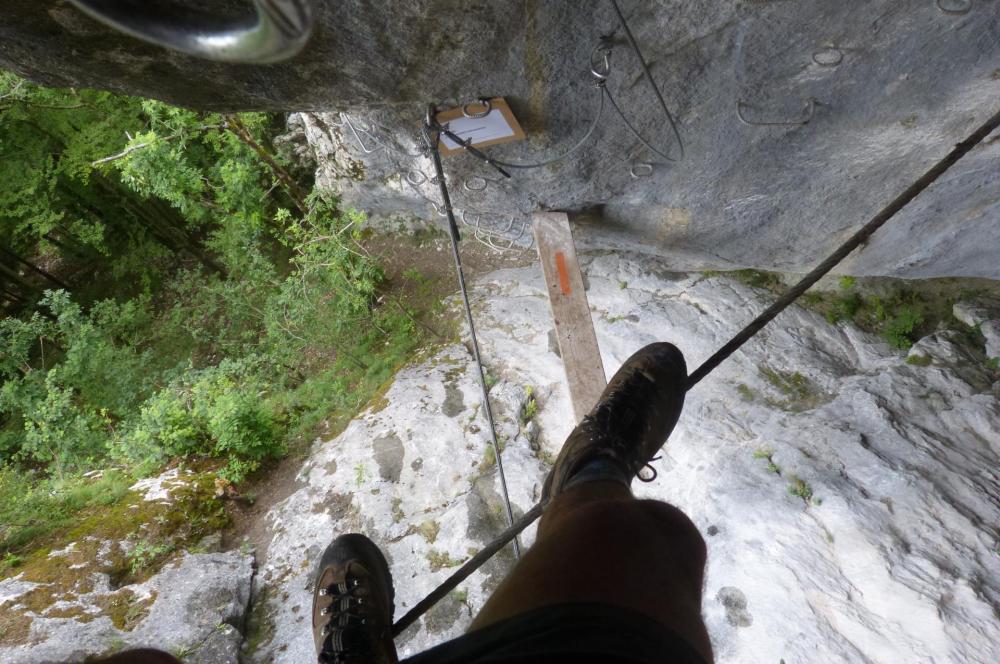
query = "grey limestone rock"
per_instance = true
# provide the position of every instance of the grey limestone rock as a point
(875, 540)
(799, 119)
(194, 607)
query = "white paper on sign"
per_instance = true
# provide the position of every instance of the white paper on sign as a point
(480, 130)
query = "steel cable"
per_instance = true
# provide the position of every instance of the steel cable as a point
(744, 335)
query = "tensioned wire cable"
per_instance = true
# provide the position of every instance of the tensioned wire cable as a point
(743, 336)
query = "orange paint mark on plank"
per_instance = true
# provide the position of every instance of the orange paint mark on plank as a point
(563, 273)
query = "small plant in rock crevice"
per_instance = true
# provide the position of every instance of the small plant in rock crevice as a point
(796, 485)
(799, 392)
(360, 473)
(800, 488)
(746, 392)
(919, 360)
(440, 560)
(144, 554)
(530, 407)
(767, 454)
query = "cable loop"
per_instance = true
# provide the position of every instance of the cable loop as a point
(647, 476)
(954, 8)
(485, 103)
(416, 182)
(640, 170)
(601, 71)
(476, 178)
(808, 112)
(828, 56)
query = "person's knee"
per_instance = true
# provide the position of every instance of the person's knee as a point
(675, 526)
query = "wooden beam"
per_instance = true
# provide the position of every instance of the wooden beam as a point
(570, 310)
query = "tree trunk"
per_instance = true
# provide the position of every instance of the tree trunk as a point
(65, 247)
(16, 278)
(240, 130)
(34, 268)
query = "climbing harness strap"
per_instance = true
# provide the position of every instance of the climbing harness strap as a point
(744, 335)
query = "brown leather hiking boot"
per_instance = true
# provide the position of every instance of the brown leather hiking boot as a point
(353, 604)
(631, 421)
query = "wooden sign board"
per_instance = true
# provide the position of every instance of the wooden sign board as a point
(570, 311)
(497, 124)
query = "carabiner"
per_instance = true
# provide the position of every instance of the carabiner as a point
(278, 29)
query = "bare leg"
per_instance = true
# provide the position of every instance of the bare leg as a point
(597, 543)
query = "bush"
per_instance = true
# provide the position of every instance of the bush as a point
(844, 308)
(214, 412)
(899, 330)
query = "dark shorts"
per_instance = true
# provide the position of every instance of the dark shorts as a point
(577, 632)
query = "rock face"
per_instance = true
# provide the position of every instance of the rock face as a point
(193, 608)
(984, 315)
(848, 497)
(799, 120)
(98, 594)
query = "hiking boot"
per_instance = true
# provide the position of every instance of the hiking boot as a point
(353, 604)
(630, 423)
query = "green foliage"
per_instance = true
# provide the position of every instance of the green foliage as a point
(216, 412)
(440, 560)
(919, 360)
(844, 308)
(361, 474)
(491, 380)
(331, 289)
(47, 140)
(10, 561)
(899, 312)
(767, 454)
(758, 279)
(530, 407)
(218, 314)
(798, 391)
(900, 327)
(800, 488)
(66, 404)
(144, 554)
(489, 458)
(32, 505)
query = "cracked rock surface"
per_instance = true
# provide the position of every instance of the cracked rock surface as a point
(194, 607)
(849, 505)
(799, 119)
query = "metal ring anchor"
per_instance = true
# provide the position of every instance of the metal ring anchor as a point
(955, 7)
(601, 71)
(415, 181)
(277, 30)
(640, 170)
(828, 56)
(810, 109)
(485, 103)
(477, 179)
(439, 209)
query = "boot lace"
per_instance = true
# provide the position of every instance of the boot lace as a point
(344, 641)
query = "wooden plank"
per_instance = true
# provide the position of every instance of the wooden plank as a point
(570, 310)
